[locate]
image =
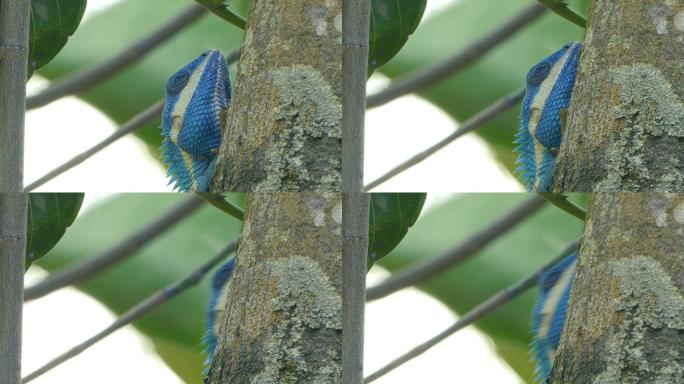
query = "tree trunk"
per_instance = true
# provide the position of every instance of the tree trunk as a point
(283, 128)
(626, 120)
(626, 317)
(283, 319)
(12, 250)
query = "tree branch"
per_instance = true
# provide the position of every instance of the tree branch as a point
(560, 7)
(144, 307)
(459, 60)
(355, 204)
(355, 211)
(218, 8)
(217, 200)
(355, 35)
(563, 203)
(475, 122)
(117, 253)
(14, 33)
(13, 207)
(424, 271)
(90, 77)
(14, 44)
(475, 314)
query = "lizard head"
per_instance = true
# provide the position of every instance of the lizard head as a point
(196, 94)
(548, 91)
(196, 97)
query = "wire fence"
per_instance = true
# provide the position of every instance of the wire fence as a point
(91, 77)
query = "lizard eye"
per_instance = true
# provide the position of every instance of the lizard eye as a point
(538, 73)
(177, 82)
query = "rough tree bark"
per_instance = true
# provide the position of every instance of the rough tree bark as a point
(12, 246)
(283, 319)
(626, 119)
(283, 128)
(626, 316)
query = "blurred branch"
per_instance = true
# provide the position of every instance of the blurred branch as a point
(138, 121)
(224, 205)
(477, 313)
(144, 307)
(220, 9)
(560, 7)
(483, 117)
(90, 77)
(563, 203)
(458, 61)
(119, 252)
(421, 272)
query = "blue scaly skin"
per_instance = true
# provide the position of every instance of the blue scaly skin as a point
(215, 308)
(196, 97)
(549, 313)
(542, 120)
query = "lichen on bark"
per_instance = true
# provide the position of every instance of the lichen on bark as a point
(626, 121)
(625, 321)
(283, 128)
(283, 316)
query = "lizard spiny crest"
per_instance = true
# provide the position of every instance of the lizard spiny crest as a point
(542, 121)
(196, 95)
(549, 313)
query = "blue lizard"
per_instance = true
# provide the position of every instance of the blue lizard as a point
(215, 308)
(196, 97)
(542, 121)
(549, 313)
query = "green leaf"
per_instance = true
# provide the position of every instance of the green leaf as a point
(391, 23)
(52, 22)
(391, 215)
(175, 328)
(496, 74)
(516, 254)
(49, 215)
